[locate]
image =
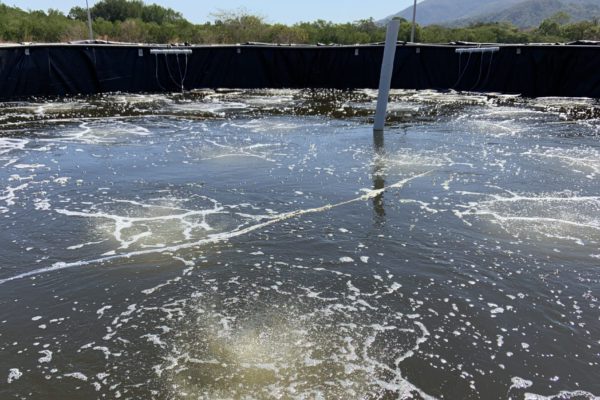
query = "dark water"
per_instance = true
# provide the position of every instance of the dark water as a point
(264, 245)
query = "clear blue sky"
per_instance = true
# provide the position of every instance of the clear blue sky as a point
(286, 11)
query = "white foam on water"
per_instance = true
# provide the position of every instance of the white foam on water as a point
(50, 108)
(499, 121)
(585, 160)
(42, 204)
(9, 194)
(124, 222)
(8, 145)
(47, 356)
(270, 125)
(271, 100)
(157, 223)
(332, 348)
(99, 132)
(154, 339)
(564, 395)
(77, 375)
(160, 286)
(100, 312)
(410, 158)
(254, 352)
(63, 180)
(14, 375)
(500, 128)
(30, 167)
(213, 150)
(520, 383)
(437, 98)
(560, 216)
(216, 107)
(132, 98)
(82, 245)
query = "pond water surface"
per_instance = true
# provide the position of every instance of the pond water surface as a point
(264, 244)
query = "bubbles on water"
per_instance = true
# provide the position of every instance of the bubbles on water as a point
(564, 395)
(10, 195)
(408, 160)
(97, 132)
(215, 108)
(216, 313)
(560, 216)
(14, 375)
(8, 145)
(160, 222)
(295, 354)
(213, 150)
(266, 126)
(268, 336)
(585, 161)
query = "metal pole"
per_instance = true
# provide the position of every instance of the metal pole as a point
(414, 23)
(387, 68)
(89, 15)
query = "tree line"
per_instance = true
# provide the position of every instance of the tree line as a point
(135, 21)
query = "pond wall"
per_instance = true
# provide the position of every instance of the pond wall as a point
(71, 69)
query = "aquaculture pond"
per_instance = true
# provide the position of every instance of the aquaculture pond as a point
(265, 244)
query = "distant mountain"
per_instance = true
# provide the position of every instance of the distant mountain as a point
(531, 13)
(523, 13)
(443, 11)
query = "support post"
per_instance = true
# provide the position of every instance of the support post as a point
(387, 68)
(414, 23)
(89, 15)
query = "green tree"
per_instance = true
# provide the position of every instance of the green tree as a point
(78, 13)
(135, 21)
(118, 10)
(552, 26)
(160, 15)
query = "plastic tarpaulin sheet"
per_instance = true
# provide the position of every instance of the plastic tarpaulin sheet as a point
(72, 69)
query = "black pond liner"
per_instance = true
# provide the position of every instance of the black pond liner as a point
(531, 70)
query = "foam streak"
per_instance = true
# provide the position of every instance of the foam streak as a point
(211, 239)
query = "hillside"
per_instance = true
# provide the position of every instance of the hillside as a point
(522, 13)
(531, 13)
(443, 11)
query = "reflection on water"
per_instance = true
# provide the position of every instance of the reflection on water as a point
(264, 244)
(378, 175)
